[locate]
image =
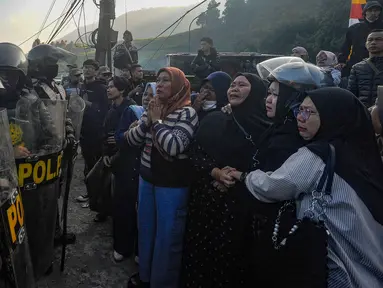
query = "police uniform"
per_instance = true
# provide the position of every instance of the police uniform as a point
(16, 268)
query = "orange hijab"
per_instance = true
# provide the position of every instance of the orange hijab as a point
(180, 96)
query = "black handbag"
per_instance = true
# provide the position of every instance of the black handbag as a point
(300, 247)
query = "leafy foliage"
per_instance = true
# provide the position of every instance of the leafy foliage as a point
(211, 17)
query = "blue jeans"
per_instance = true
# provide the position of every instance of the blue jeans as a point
(162, 215)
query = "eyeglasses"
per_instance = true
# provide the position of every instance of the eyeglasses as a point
(304, 112)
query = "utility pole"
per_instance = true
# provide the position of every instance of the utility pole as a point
(106, 36)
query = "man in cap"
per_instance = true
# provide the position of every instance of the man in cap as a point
(353, 49)
(125, 53)
(75, 80)
(300, 52)
(94, 93)
(104, 74)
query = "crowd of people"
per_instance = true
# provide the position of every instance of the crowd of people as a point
(272, 173)
(269, 180)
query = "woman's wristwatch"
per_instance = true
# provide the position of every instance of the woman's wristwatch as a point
(243, 177)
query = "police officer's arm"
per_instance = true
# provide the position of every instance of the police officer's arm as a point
(346, 47)
(353, 83)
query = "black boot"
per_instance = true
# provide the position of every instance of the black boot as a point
(100, 218)
(135, 282)
(70, 239)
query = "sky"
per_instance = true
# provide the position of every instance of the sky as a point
(23, 18)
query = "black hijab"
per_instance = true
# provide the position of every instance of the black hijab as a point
(220, 136)
(346, 124)
(282, 139)
(221, 83)
(251, 114)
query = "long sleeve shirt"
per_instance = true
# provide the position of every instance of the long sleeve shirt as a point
(356, 239)
(173, 136)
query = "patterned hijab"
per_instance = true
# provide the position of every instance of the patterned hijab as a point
(326, 59)
(180, 88)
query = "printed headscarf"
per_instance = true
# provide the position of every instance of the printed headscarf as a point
(153, 85)
(331, 60)
(180, 92)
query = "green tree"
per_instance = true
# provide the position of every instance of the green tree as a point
(211, 17)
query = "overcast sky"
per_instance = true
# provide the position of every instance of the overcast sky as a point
(23, 18)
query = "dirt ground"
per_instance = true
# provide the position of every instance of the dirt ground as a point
(89, 263)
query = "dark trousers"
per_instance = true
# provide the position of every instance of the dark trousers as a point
(124, 214)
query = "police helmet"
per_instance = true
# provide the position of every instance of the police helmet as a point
(13, 58)
(293, 72)
(46, 55)
(49, 54)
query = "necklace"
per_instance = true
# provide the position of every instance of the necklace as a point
(274, 238)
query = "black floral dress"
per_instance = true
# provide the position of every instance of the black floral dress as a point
(213, 253)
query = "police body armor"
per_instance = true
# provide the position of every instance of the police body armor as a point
(15, 261)
(38, 125)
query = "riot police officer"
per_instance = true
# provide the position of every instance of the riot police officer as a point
(43, 69)
(34, 136)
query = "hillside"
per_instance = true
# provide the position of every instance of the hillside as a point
(146, 23)
(262, 26)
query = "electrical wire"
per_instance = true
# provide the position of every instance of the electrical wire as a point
(163, 43)
(50, 24)
(83, 10)
(84, 46)
(179, 19)
(65, 21)
(62, 15)
(47, 16)
(126, 16)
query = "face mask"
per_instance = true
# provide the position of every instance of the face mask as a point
(209, 105)
(51, 71)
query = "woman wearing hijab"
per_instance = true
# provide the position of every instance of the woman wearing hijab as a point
(214, 255)
(125, 167)
(166, 130)
(213, 94)
(327, 61)
(353, 214)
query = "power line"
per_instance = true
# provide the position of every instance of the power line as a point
(62, 14)
(65, 21)
(47, 16)
(163, 43)
(126, 16)
(79, 33)
(179, 19)
(50, 24)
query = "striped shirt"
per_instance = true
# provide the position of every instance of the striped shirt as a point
(355, 249)
(173, 136)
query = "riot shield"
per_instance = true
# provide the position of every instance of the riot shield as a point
(40, 124)
(76, 110)
(15, 265)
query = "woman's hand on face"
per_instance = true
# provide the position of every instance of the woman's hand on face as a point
(198, 102)
(227, 109)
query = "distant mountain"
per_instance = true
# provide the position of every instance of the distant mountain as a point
(147, 23)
